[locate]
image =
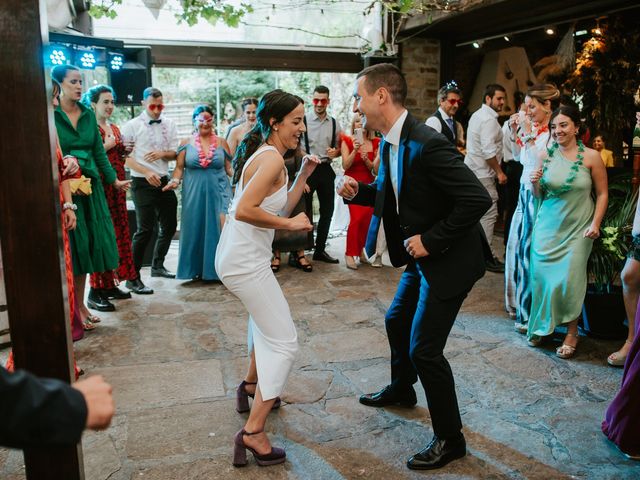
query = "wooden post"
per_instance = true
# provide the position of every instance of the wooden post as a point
(30, 232)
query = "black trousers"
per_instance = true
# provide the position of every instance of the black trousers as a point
(322, 181)
(418, 325)
(513, 171)
(153, 207)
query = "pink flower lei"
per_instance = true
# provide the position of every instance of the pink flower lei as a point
(205, 160)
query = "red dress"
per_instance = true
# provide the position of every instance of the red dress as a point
(117, 202)
(77, 331)
(360, 217)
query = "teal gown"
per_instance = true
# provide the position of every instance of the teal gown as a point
(559, 250)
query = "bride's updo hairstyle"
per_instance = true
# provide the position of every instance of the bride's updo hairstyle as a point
(274, 105)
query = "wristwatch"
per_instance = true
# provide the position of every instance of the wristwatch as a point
(69, 206)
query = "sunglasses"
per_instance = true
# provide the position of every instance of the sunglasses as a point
(156, 107)
(204, 121)
(454, 101)
(320, 101)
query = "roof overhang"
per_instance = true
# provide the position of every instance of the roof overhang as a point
(495, 18)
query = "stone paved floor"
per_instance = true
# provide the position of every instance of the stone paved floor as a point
(176, 357)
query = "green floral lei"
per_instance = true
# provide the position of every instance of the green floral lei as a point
(566, 186)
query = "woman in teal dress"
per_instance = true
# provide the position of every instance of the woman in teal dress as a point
(203, 164)
(93, 242)
(565, 225)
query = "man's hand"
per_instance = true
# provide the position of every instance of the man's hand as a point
(347, 187)
(99, 400)
(502, 178)
(153, 156)
(414, 247)
(153, 179)
(333, 152)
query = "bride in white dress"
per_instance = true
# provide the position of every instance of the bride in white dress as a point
(261, 205)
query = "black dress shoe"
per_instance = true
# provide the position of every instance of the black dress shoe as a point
(162, 272)
(98, 301)
(115, 294)
(136, 286)
(387, 396)
(438, 453)
(323, 256)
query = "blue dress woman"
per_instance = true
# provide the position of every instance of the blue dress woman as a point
(203, 164)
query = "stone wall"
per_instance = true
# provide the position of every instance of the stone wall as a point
(420, 60)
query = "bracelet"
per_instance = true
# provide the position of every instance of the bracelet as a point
(175, 180)
(528, 138)
(69, 206)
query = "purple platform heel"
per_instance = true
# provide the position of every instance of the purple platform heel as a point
(242, 398)
(274, 457)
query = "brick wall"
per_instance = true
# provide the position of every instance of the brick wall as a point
(420, 60)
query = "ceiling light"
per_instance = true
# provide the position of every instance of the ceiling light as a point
(580, 33)
(506, 38)
(550, 31)
(597, 31)
(476, 44)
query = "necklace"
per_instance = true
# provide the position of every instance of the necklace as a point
(573, 172)
(203, 158)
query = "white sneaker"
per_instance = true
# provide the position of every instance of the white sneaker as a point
(377, 262)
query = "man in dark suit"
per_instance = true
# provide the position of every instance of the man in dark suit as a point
(431, 204)
(36, 412)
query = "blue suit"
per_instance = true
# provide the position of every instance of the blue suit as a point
(441, 200)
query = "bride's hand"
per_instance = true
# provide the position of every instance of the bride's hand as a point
(309, 164)
(300, 223)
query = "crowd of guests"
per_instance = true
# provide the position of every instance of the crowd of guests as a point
(558, 198)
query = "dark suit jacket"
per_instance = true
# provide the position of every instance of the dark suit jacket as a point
(440, 199)
(39, 412)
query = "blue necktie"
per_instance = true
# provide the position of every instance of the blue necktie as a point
(450, 123)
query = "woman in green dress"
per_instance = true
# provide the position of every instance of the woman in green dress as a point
(566, 223)
(93, 242)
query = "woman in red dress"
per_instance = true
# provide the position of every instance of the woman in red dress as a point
(104, 285)
(358, 154)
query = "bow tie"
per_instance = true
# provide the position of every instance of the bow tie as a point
(151, 122)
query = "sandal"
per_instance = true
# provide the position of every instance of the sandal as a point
(93, 318)
(275, 266)
(616, 359)
(306, 267)
(87, 325)
(566, 351)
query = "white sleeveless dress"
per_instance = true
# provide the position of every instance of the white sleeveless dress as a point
(243, 263)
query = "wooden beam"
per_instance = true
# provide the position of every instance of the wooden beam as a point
(165, 55)
(30, 232)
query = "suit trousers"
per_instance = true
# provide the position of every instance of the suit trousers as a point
(488, 220)
(418, 325)
(153, 206)
(322, 181)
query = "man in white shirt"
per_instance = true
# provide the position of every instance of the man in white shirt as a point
(155, 139)
(443, 121)
(322, 138)
(484, 152)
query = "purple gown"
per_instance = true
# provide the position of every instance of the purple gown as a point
(621, 422)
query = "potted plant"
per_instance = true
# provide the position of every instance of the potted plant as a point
(603, 312)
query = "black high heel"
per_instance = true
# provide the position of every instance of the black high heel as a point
(275, 268)
(242, 398)
(295, 262)
(274, 457)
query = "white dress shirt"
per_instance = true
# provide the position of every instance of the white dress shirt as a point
(393, 139)
(434, 122)
(484, 141)
(147, 138)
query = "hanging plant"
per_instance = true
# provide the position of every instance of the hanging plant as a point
(606, 78)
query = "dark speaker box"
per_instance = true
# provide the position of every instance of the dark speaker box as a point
(135, 76)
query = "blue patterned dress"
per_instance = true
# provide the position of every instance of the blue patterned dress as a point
(206, 194)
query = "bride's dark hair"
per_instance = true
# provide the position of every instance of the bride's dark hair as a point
(275, 105)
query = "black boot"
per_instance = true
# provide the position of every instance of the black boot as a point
(98, 301)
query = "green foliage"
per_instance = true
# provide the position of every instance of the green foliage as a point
(607, 80)
(212, 11)
(610, 250)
